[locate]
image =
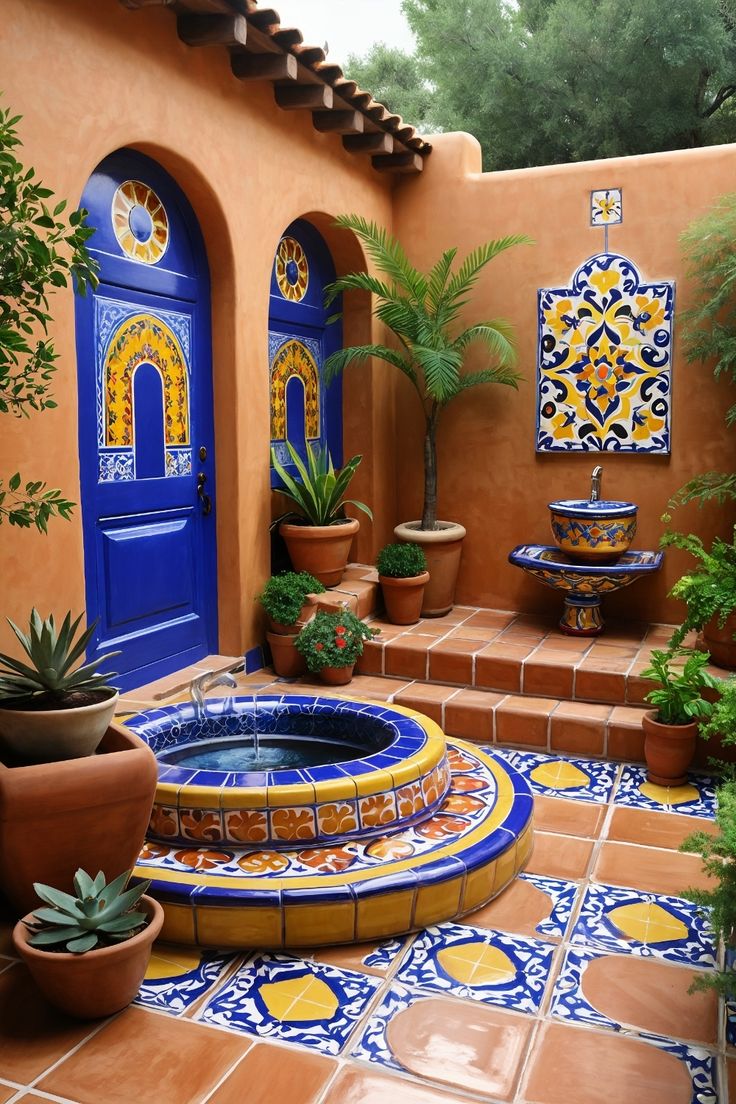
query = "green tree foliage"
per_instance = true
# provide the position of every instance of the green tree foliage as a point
(548, 81)
(396, 80)
(39, 251)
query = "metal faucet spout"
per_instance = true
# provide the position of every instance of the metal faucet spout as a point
(595, 483)
(199, 686)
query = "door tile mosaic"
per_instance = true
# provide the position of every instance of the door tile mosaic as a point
(558, 776)
(697, 798)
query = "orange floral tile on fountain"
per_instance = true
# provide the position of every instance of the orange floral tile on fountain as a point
(246, 825)
(334, 819)
(292, 824)
(377, 810)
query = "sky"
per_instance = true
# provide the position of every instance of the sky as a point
(349, 26)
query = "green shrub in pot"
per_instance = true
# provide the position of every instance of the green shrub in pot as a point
(284, 596)
(401, 561)
(403, 575)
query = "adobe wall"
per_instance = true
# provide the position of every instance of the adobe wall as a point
(491, 479)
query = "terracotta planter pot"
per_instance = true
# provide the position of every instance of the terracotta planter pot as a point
(720, 641)
(99, 982)
(337, 676)
(403, 597)
(322, 550)
(305, 614)
(443, 548)
(48, 736)
(668, 749)
(287, 661)
(90, 812)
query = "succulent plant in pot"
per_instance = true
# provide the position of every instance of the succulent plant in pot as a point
(55, 706)
(320, 542)
(403, 575)
(88, 950)
(331, 644)
(671, 728)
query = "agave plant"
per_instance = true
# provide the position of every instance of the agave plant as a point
(97, 914)
(422, 310)
(53, 656)
(319, 493)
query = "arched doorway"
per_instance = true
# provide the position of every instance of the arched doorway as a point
(302, 407)
(146, 435)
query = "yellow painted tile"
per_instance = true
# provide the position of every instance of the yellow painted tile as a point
(438, 902)
(506, 868)
(384, 915)
(245, 797)
(198, 797)
(524, 846)
(405, 772)
(376, 782)
(479, 887)
(179, 926)
(239, 927)
(315, 925)
(166, 793)
(290, 796)
(335, 789)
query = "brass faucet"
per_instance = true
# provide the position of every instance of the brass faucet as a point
(595, 483)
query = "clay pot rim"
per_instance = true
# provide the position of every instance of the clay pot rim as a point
(404, 580)
(448, 531)
(341, 528)
(92, 707)
(100, 954)
(651, 718)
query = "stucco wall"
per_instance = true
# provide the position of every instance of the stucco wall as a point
(90, 77)
(490, 479)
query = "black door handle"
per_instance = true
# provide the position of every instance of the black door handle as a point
(202, 495)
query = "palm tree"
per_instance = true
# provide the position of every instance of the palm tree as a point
(421, 311)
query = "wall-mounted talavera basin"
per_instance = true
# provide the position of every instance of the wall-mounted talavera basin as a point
(583, 584)
(593, 531)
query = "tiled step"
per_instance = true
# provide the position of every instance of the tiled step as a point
(513, 653)
(359, 590)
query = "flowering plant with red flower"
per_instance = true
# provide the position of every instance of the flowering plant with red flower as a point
(333, 639)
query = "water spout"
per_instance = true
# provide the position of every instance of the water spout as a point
(199, 686)
(595, 483)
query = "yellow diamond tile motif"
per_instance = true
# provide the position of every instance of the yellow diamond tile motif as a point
(559, 775)
(169, 962)
(647, 923)
(669, 795)
(300, 998)
(476, 964)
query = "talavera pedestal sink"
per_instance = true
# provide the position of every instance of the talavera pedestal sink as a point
(583, 584)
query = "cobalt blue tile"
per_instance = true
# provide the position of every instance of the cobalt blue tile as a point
(179, 976)
(250, 779)
(441, 870)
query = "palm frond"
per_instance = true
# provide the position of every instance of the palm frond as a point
(471, 268)
(358, 354)
(441, 369)
(439, 274)
(356, 281)
(496, 335)
(505, 376)
(387, 254)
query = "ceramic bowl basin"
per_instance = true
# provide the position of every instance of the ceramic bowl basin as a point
(593, 532)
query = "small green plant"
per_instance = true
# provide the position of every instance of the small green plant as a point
(401, 561)
(96, 915)
(284, 595)
(679, 700)
(319, 493)
(722, 721)
(710, 589)
(53, 655)
(333, 640)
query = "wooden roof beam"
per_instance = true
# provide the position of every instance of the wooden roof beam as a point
(338, 122)
(300, 97)
(378, 143)
(264, 66)
(398, 162)
(212, 30)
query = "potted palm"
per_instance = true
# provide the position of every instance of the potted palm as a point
(331, 644)
(671, 729)
(403, 575)
(709, 593)
(422, 311)
(319, 542)
(54, 706)
(288, 601)
(88, 951)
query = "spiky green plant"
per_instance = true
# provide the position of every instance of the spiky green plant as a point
(53, 656)
(96, 915)
(423, 311)
(319, 492)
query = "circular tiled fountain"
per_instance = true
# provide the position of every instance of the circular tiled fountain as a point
(285, 820)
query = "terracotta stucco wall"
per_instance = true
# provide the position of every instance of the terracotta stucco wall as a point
(90, 77)
(491, 480)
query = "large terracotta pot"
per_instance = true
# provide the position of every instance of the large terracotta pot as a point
(442, 548)
(403, 598)
(322, 550)
(668, 749)
(287, 661)
(337, 676)
(99, 982)
(47, 736)
(720, 641)
(90, 812)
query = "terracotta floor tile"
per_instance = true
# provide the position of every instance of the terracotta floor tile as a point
(429, 628)
(32, 1034)
(426, 699)
(517, 910)
(466, 631)
(350, 956)
(572, 1065)
(606, 651)
(560, 856)
(524, 721)
(371, 661)
(646, 826)
(146, 1058)
(469, 714)
(269, 1074)
(625, 632)
(568, 818)
(637, 687)
(648, 869)
(461, 1045)
(376, 688)
(559, 642)
(490, 619)
(578, 728)
(550, 673)
(652, 996)
(407, 655)
(499, 666)
(451, 659)
(361, 1086)
(6, 1091)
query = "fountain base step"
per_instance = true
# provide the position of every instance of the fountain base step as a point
(351, 891)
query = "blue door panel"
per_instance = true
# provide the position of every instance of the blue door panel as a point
(146, 427)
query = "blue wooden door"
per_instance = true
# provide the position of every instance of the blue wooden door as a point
(303, 408)
(146, 432)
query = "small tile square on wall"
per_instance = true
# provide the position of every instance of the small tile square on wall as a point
(606, 207)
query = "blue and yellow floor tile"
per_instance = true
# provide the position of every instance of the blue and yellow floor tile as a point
(562, 894)
(178, 976)
(281, 997)
(373, 1045)
(561, 776)
(488, 966)
(644, 924)
(697, 798)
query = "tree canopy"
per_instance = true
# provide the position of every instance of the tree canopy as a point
(549, 81)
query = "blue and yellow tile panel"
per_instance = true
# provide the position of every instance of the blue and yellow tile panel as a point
(697, 798)
(558, 776)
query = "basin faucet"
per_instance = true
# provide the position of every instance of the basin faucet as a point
(595, 483)
(199, 686)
